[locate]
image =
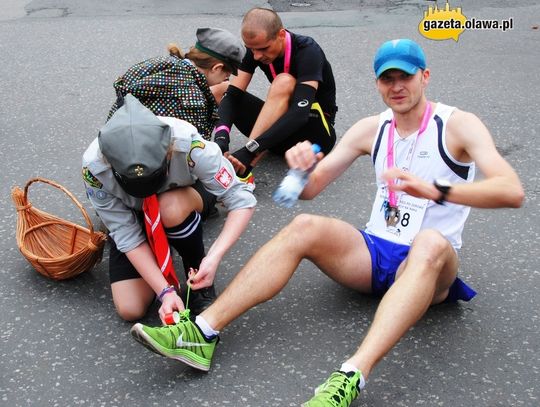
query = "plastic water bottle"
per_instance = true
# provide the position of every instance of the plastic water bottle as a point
(293, 184)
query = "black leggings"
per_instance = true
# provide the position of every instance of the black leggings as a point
(314, 130)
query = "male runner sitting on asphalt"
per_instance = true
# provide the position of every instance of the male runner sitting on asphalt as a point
(301, 100)
(425, 154)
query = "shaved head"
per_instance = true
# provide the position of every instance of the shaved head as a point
(261, 19)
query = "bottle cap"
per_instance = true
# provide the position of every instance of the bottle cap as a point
(316, 148)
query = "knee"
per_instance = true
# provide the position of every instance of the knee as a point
(430, 246)
(283, 85)
(301, 229)
(132, 298)
(130, 312)
(302, 222)
(175, 206)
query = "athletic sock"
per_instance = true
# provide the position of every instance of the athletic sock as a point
(206, 329)
(187, 239)
(347, 367)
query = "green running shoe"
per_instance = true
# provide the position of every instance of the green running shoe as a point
(184, 342)
(339, 390)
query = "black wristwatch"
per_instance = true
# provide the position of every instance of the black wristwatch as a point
(252, 146)
(443, 185)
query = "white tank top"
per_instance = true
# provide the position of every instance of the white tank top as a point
(431, 160)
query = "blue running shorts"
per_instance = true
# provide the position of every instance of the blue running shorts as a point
(386, 257)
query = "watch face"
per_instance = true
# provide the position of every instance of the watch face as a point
(443, 183)
(252, 145)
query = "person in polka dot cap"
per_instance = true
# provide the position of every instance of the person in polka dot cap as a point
(183, 85)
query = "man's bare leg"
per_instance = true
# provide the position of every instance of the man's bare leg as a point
(423, 279)
(333, 245)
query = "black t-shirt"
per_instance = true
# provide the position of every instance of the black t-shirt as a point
(308, 63)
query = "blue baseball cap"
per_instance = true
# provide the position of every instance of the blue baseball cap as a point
(403, 54)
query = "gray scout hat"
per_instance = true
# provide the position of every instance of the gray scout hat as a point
(221, 44)
(135, 142)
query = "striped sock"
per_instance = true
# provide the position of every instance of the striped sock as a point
(187, 239)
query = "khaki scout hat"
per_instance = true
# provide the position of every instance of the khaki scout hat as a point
(135, 142)
(221, 44)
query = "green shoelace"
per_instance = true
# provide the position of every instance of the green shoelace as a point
(336, 392)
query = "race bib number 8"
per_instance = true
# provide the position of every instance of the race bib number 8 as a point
(411, 216)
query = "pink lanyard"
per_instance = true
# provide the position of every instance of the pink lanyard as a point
(392, 199)
(287, 63)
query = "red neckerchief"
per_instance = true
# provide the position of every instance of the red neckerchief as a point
(157, 239)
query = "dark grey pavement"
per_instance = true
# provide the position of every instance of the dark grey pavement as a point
(61, 343)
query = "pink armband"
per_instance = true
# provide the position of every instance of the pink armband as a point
(222, 127)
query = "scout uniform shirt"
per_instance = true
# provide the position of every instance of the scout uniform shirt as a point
(192, 158)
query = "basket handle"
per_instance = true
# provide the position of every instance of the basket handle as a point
(61, 188)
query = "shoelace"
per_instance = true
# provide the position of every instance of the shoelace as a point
(336, 391)
(184, 315)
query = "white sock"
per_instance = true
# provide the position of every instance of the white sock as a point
(207, 330)
(347, 367)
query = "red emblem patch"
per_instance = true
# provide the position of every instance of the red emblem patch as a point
(223, 177)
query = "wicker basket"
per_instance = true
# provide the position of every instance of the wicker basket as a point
(57, 248)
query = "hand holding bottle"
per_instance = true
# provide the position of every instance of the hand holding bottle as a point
(293, 184)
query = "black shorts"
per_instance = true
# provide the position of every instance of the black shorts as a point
(120, 268)
(318, 129)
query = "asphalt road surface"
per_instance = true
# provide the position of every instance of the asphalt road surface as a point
(62, 344)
